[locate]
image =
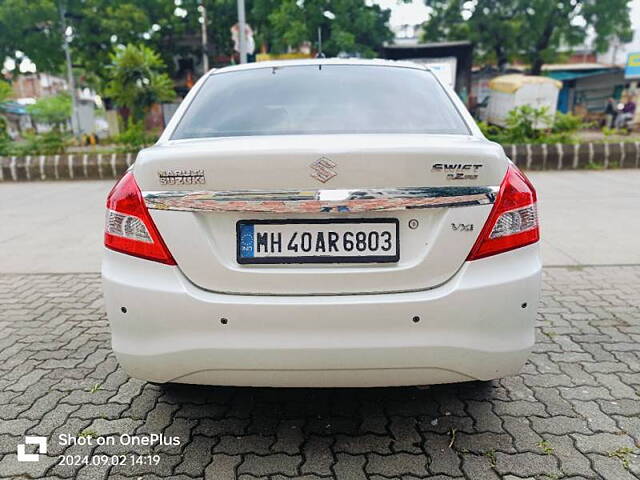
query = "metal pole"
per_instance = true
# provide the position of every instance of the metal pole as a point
(75, 121)
(205, 57)
(320, 54)
(242, 32)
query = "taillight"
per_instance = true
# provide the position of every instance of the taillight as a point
(513, 221)
(129, 227)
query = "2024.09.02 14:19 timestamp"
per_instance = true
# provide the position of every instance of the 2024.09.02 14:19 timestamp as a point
(113, 460)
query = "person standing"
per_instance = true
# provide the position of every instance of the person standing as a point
(610, 113)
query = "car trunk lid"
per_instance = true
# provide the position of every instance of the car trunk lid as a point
(438, 188)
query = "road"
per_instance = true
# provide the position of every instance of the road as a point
(588, 218)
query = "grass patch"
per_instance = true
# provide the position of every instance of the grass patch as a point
(545, 446)
(491, 455)
(594, 166)
(622, 454)
(96, 387)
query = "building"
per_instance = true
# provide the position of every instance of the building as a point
(586, 87)
(37, 85)
(455, 57)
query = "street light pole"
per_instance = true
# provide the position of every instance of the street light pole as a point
(242, 41)
(75, 121)
(205, 57)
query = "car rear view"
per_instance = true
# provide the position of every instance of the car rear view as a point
(322, 223)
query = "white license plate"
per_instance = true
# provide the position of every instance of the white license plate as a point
(318, 241)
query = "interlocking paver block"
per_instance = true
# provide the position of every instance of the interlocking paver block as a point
(527, 464)
(444, 459)
(260, 466)
(596, 419)
(397, 465)
(318, 456)
(222, 467)
(572, 462)
(574, 412)
(559, 425)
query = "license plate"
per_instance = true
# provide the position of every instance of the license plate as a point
(318, 241)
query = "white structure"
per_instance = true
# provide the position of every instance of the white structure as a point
(444, 68)
(511, 91)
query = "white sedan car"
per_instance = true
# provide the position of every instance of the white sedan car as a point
(322, 223)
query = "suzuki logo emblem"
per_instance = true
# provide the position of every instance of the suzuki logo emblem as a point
(322, 169)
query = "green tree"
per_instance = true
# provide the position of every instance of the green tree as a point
(534, 30)
(101, 25)
(355, 27)
(33, 27)
(53, 110)
(137, 80)
(493, 26)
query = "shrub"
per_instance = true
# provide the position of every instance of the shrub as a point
(5, 141)
(608, 132)
(134, 137)
(567, 123)
(5, 144)
(50, 143)
(526, 124)
(53, 110)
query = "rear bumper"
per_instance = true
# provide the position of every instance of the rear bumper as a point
(473, 327)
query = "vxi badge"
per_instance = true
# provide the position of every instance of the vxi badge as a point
(458, 171)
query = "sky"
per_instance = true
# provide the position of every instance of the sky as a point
(411, 13)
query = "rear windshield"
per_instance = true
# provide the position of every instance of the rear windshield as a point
(314, 99)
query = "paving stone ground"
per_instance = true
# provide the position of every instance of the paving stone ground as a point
(573, 412)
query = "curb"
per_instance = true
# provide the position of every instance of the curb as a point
(85, 166)
(73, 166)
(558, 156)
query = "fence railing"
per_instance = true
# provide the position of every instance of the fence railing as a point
(81, 166)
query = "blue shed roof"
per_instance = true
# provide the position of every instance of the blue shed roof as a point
(563, 75)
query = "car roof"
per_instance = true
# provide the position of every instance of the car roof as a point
(319, 61)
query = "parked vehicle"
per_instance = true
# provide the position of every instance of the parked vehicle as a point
(322, 223)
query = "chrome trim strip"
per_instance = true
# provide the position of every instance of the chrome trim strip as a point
(320, 201)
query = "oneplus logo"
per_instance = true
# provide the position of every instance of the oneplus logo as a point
(41, 442)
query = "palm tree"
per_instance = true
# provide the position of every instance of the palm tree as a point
(137, 80)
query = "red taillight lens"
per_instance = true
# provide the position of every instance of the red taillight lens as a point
(129, 227)
(513, 221)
